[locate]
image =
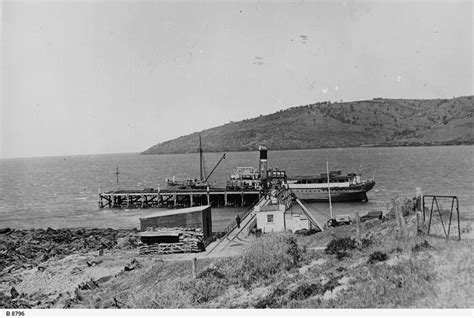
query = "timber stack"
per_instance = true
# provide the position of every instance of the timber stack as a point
(172, 240)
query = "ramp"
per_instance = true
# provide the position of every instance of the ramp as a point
(234, 233)
(316, 218)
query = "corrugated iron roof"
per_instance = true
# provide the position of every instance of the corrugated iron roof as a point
(178, 211)
(159, 233)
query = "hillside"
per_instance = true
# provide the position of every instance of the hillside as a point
(377, 122)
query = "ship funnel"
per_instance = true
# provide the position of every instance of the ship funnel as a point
(262, 166)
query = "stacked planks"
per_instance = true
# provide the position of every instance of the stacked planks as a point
(190, 241)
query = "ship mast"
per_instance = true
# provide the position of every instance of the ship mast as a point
(200, 158)
(117, 175)
(329, 189)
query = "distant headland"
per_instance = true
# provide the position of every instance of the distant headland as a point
(378, 122)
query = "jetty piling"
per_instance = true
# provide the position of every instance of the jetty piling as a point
(150, 198)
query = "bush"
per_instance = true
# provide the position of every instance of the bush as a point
(306, 290)
(268, 256)
(209, 284)
(281, 297)
(366, 242)
(376, 257)
(128, 242)
(274, 300)
(305, 232)
(340, 247)
(202, 290)
(211, 272)
(421, 246)
(294, 251)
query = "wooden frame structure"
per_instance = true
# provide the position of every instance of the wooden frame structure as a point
(150, 198)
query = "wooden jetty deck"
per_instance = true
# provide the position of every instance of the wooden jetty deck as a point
(149, 198)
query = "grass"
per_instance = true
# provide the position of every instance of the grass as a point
(170, 284)
(384, 286)
(384, 272)
(268, 256)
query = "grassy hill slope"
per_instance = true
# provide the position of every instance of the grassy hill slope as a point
(377, 122)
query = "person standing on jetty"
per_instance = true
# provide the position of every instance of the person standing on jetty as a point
(237, 219)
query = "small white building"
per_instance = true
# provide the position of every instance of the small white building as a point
(276, 218)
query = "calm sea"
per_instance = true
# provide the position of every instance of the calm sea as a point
(62, 191)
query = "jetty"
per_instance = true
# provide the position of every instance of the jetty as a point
(175, 198)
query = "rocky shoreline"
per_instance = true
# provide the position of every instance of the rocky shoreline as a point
(24, 251)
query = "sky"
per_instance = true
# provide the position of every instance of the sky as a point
(90, 77)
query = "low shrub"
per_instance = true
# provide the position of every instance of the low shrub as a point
(376, 257)
(305, 232)
(306, 290)
(397, 250)
(340, 247)
(274, 300)
(366, 242)
(281, 297)
(421, 246)
(205, 288)
(342, 254)
(211, 272)
(129, 241)
(294, 251)
(268, 256)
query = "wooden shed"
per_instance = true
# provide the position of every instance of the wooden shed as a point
(194, 217)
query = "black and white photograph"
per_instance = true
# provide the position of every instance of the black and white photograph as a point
(258, 157)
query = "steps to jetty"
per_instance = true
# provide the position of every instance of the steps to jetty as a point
(279, 201)
(150, 198)
(236, 235)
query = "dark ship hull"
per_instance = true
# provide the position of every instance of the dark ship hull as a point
(353, 193)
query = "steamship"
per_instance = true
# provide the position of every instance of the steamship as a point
(341, 188)
(332, 185)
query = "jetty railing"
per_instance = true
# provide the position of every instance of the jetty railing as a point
(283, 196)
(454, 206)
(233, 224)
(229, 228)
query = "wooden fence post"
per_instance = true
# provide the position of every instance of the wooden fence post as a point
(401, 221)
(418, 211)
(418, 225)
(194, 267)
(358, 234)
